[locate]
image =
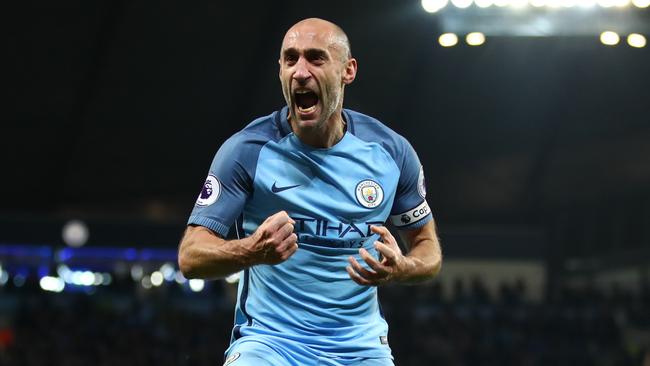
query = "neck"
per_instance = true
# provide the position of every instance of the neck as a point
(324, 136)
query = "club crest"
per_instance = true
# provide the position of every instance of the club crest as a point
(210, 191)
(369, 193)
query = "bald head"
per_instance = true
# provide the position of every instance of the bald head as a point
(316, 27)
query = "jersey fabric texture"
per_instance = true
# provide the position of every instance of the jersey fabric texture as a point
(334, 195)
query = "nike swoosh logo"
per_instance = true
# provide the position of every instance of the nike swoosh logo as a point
(276, 189)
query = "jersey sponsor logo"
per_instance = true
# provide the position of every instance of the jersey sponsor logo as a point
(369, 193)
(326, 228)
(210, 191)
(276, 189)
(422, 189)
(411, 216)
(232, 358)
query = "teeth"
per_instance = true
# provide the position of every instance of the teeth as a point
(307, 110)
(302, 91)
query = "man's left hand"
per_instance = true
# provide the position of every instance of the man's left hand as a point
(392, 266)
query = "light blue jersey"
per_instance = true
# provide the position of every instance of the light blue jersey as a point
(334, 195)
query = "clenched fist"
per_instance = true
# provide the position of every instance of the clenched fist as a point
(274, 240)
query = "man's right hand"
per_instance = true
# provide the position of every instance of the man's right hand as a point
(274, 240)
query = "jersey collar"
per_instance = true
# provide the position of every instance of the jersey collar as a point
(285, 128)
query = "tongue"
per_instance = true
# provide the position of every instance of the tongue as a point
(306, 100)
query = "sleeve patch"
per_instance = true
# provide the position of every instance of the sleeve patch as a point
(411, 216)
(210, 191)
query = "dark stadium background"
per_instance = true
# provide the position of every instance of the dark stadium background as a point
(536, 152)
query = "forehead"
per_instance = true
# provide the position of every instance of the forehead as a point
(306, 37)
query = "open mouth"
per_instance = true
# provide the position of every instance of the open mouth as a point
(306, 101)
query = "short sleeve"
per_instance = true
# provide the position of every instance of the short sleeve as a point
(227, 186)
(410, 209)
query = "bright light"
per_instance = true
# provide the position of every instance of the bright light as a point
(518, 3)
(537, 3)
(87, 278)
(462, 3)
(197, 285)
(448, 40)
(475, 39)
(179, 278)
(4, 277)
(606, 3)
(54, 284)
(621, 3)
(636, 40)
(568, 3)
(483, 3)
(641, 3)
(432, 6)
(609, 38)
(157, 278)
(501, 3)
(136, 272)
(167, 271)
(146, 282)
(99, 278)
(233, 278)
(75, 233)
(107, 279)
(585, 3)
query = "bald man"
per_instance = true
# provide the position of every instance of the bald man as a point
(311, 186)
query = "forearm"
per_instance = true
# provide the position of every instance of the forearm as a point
(207, 256)
(424, 259)
(423, 263)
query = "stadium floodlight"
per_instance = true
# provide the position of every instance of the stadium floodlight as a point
(641, 3)
(99, 279)
(569, 3)
(179, 278)
(157, 278)
(621, 3)
(87, 278)
(606, 3)
(462, 4)
(107, 279)
(636, 40)
(136, 272)
(586, 3)
(483, 3)
(167, 271)
(475, 39)
(501, 3)
(537, 3)
(146, 282)
(609, 38)
(518, 4)
(448, 39)
(75, 233)
(53, 284)
(233, 278)
(197, 284)
(432, 6)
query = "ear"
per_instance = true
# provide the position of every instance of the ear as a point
(350, 71)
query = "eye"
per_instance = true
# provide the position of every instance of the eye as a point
(290, 59)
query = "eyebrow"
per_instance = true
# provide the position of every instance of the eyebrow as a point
(309, 52)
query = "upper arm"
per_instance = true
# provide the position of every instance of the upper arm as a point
(410, 209)
(227, 186)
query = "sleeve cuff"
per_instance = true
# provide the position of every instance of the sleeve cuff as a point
(211, 224)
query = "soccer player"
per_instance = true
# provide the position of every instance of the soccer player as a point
(312, 184)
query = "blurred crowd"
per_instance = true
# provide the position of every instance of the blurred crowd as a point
(167, 326)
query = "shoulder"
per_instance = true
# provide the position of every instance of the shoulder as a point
(370, 129)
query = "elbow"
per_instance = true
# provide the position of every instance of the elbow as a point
(185, 264)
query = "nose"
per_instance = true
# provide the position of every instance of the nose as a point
(301, 73)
